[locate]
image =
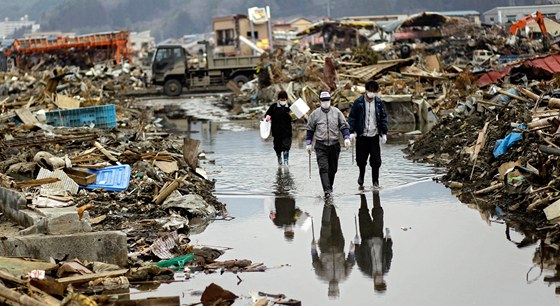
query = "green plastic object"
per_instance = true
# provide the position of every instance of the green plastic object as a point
(177, 261)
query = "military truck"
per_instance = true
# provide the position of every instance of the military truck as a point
(171, 69)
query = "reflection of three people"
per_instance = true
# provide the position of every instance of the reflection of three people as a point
(373, 252)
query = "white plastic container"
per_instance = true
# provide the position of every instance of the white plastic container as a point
(299, 108)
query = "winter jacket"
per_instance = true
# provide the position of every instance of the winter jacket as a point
(281, 121)
(357, 116)
(325, 126)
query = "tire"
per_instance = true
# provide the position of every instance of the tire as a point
(240, 80)
(405, 51)
(172, 87)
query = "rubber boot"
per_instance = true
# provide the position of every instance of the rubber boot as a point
(325, 183)
(361, 176)
(375, 177)
(286, 157)
(279, 159)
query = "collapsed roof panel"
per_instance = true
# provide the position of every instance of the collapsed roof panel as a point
(538, 66)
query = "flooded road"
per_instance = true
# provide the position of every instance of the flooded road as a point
(436, 251)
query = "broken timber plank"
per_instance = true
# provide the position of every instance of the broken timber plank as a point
(26, 116)
(39, 182)
(105, 152)
(88, 277)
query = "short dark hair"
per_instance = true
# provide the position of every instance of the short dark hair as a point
(282, 95)
(372, 86)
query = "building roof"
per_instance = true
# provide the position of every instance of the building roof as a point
(318, 26)
(296, 19)
(460, 13)
(417, 20)
(522, 7)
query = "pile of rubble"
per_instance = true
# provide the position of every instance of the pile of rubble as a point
(501, 148)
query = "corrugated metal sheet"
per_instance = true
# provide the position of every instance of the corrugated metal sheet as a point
(549, 64)
(65, 183)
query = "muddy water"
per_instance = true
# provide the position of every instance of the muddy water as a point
(438, 250)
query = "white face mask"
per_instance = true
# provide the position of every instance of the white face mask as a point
(283, 103)
(325, 104)
(370, 94)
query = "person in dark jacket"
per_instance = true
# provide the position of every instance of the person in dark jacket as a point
(281, 126)
(375, 251)
(368, 125)
(331, 265)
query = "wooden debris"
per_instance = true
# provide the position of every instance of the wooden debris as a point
(190, 152)
(489, 189)
(105, 152)
(167, 190)
(38, 182)
(88, 277)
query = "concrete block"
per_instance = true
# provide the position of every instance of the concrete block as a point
(109, 247)
(61, 223)
(11, 204)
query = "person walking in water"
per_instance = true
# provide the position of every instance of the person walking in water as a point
(325, 125)
(368, 125)
(278, 114)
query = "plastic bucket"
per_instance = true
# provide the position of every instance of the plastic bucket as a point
(299, 108)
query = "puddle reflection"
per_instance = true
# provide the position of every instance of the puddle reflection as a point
(374, 251)
(330, 263)
(285, 213)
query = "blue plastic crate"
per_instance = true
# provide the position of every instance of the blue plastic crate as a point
(114, 178)
(103, 116)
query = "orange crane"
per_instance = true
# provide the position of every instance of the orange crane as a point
(538, 18)
(108, 45)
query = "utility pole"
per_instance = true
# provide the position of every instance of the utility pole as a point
(331, 4)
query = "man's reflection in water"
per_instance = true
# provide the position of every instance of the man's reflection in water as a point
(375, 251)
(286, 213)
(331, 265)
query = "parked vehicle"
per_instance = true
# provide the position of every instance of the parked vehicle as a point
(171, 69)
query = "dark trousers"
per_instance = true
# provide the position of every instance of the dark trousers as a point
(369, 147)
(370, 226)
(327, 160)
(282, 144)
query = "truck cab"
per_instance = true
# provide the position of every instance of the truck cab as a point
(169, 68)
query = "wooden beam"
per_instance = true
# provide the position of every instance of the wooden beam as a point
(87, 277)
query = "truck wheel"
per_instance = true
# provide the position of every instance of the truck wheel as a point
(172, 87)
(240, 80)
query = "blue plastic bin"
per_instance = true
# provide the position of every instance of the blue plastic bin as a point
(115, 178)
(103, 116)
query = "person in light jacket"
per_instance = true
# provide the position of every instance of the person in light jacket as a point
(324, 126)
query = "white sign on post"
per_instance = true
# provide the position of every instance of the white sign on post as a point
(257, 15)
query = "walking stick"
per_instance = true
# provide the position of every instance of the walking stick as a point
(352, 152)
(357, 237)
(309, 165)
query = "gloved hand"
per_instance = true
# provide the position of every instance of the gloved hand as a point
(347, 143)
(352, 136)
(308, 148)
(267, 118)
(382, 139)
